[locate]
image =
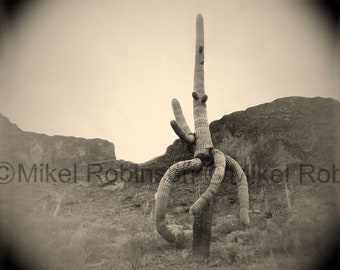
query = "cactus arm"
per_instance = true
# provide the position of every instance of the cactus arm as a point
(181, 133)
(202, 132)
(216, 180)
(242, 189)
(176, 107)
(163, 193)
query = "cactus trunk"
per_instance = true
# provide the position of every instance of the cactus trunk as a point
(202, 221)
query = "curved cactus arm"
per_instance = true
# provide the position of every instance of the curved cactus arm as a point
(181, 133)
(216, 180)
(179, 116)
(163, 193)
(242, 189)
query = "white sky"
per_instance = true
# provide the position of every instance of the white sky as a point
(109, 69)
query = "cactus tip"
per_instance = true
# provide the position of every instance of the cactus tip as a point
(174, 101)
(199, 18)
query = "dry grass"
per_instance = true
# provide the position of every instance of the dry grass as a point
(100, 229)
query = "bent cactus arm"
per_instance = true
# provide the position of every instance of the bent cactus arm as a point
(216, 180)
(176, 107)
(181, 133)
(242, 188)
(163, 193)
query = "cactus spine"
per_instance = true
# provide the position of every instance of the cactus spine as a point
(205, 156)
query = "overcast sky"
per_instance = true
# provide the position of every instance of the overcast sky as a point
(109, 69)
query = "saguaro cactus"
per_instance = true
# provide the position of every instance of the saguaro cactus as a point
(205, 156)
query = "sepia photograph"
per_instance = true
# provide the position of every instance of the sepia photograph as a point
(169, 134)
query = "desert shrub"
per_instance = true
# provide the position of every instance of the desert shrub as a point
(225, 225)
(238, 247)
(134, 251)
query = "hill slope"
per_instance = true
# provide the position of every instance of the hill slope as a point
(17, 146)
(286, 132)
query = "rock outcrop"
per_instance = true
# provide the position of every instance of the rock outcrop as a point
(287, 131)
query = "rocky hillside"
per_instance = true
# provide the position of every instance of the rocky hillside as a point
(19, 146)
(287, 131)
